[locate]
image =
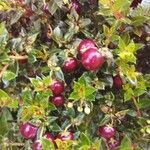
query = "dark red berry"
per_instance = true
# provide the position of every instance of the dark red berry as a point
(64, 136)
(37, 145)
(76, 6)
(135, 3)
(28, 130)
(106, 131)
(117, 81)
(92, 59)
(113, 144)
(49, 136)
(86, 44)
(58, 101)
(57, 87)
(70, 65)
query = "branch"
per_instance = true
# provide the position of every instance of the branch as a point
(16, 144)
(18, 57)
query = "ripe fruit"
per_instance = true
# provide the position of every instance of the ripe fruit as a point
(106, 131)
(92, 59)
(70, 65)
(28, 130)
(37, 145)
(57, 87)
(86, 44)
(76, 5)
(58, 101)
(113, 144)
(64, 136)
(117, 81)
(135, 3)
(49, 136)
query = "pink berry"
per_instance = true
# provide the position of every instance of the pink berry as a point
(70, 65)
(37, 145)
(57, 87)
(58, 101)
(28, 131)
(76, 5)
(86, 44)
(92, 59)
(113, 144)
(117, 81)
(66, 136)
(106, 131)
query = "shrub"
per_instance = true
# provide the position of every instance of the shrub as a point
(69, 78)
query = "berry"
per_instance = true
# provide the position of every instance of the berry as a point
(86, 44)
(49, 136)
(58, 101)
(135, 3)
(70, 65)
(113, 144)
(64, 136)
(57, 87)
(117, 81)
(37, 145)
(106, 131)
(28, 131)
(76, 6)
(92, 59)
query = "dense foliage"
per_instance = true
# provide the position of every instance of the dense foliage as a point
(69, 78)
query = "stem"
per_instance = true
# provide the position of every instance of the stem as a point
(67, 127)
(3, 70)
(18, 57)
(138, 110)
(17, 144)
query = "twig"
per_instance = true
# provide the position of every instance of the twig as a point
(3, 70)
(18, 57)
(16, 144)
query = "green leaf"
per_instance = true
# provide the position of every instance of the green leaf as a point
(8, 75)
(6, 101)
(143, 103)
(122, 45)
(47, 144)
(126, 144)
(84, 139)
(82, 90)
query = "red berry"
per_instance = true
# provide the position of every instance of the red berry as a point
(58, 101)
(106, 131)
(117, 81)
(64, 136)
(92, 59)
(113, 144)
(49, 136)
(86, 44)
(76, 5)
(28, 130)
(70, 65)
(135, 3)
(57, 87)
(37, 145)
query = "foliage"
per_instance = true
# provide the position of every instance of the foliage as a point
(37, 37)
